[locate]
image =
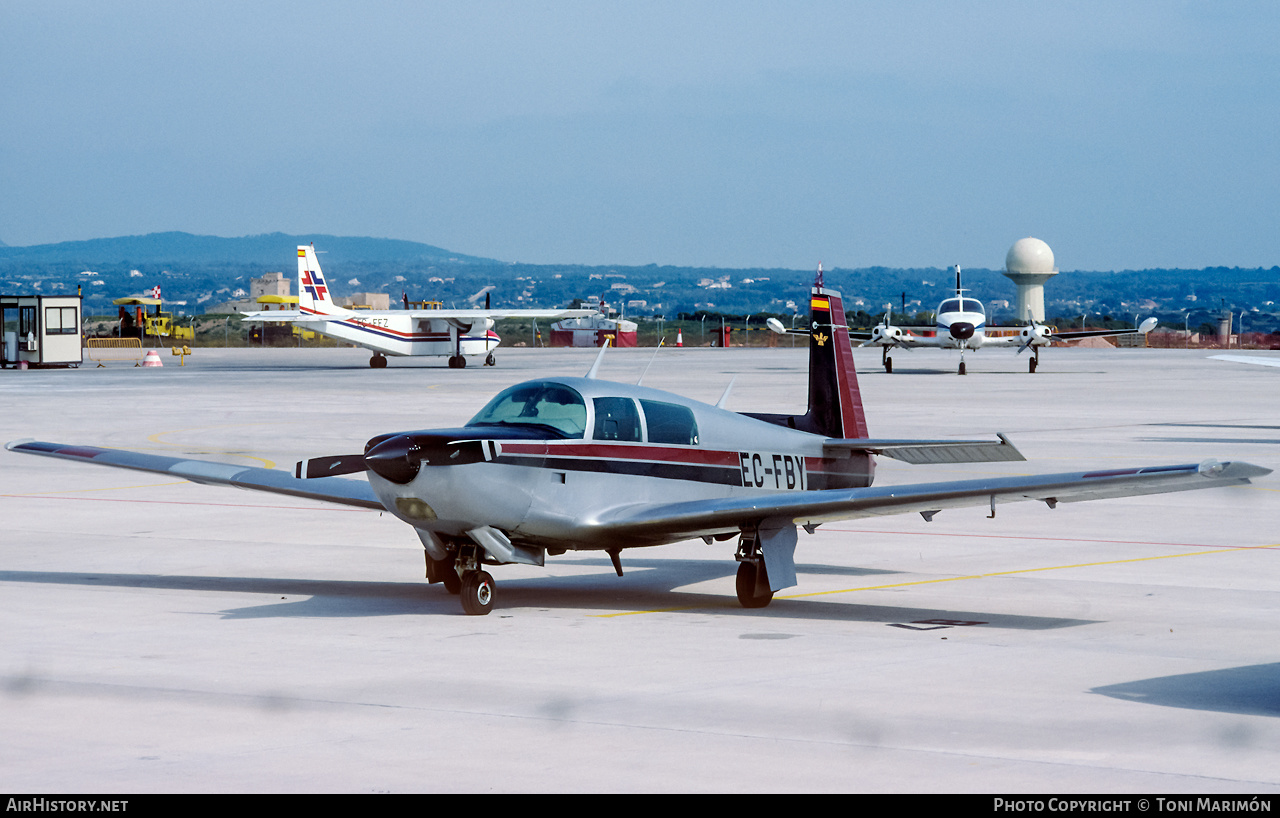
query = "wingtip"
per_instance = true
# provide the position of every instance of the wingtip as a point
(1232, 469)
(14, 444)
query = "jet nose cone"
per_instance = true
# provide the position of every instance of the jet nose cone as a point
(394, 458)
(962, 330)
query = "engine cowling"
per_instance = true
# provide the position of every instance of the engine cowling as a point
(1035, 335)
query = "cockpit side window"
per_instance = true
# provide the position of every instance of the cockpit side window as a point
(950, 305)
(539, 403)
(617, 419)
(669, 423)
(972, 305)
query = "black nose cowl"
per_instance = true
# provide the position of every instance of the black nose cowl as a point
(962, 330)
(397, 458)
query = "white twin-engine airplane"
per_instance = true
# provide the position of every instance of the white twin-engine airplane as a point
(581, 464)
(961, 323)
(458, 334)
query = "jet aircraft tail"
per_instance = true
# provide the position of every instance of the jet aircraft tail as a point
(835, 402)
(313, 291)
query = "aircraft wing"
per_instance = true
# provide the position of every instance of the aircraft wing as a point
(905, 337)
(280, 316)
(1070, 335)
(656, 523)
(475, 315)
(461, 316)
(1249, 359)
(329, 489)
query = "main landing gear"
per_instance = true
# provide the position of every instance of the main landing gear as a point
(457, 362)
(753, 578)
(1035, 362)
(886, 360)
(463, 577)
(378, 361)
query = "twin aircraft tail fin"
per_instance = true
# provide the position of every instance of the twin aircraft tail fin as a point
(313, 290)
(835, 402)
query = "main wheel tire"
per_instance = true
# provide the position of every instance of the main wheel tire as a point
(746, 585)
(477, 593)
(1032, 366)
(962, 367)
(888, 365)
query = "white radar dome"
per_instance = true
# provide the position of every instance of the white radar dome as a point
(1029, 256)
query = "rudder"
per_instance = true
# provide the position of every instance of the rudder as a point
(313, 291)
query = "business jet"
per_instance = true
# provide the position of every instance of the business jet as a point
(961, 323)
(561, 464)
(456, 334)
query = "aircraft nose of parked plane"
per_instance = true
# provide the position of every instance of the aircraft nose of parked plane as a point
(962, 330)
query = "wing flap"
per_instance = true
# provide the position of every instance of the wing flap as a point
(328, 489)
(657, 523)
(932, 451)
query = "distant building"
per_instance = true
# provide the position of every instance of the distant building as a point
(270, 284)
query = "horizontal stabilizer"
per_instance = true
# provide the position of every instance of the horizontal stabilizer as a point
(932, 451)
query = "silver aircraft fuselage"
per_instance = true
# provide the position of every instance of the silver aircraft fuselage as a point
(549, 491)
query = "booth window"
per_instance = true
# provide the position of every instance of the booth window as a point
(60, 321)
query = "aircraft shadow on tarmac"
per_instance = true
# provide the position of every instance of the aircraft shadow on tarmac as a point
(1252, 690)
(649, 586)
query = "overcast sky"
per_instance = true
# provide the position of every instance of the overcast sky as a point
(735, 134)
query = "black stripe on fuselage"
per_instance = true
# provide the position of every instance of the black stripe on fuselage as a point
(848, 473)
(699, 473)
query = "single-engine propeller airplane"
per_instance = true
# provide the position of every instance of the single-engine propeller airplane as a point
(961, 323)
(559, 464)
(458, 334)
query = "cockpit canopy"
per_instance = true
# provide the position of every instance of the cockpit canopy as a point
(561, 409)
(536, 403)
(961, 305)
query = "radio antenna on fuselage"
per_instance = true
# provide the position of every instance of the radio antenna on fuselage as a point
(591, 373)
(652, 358)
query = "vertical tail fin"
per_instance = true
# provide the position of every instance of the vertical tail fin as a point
(835, 402)
(313, 290)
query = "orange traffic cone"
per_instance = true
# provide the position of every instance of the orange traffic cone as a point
(679, 338)
(152, 358)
